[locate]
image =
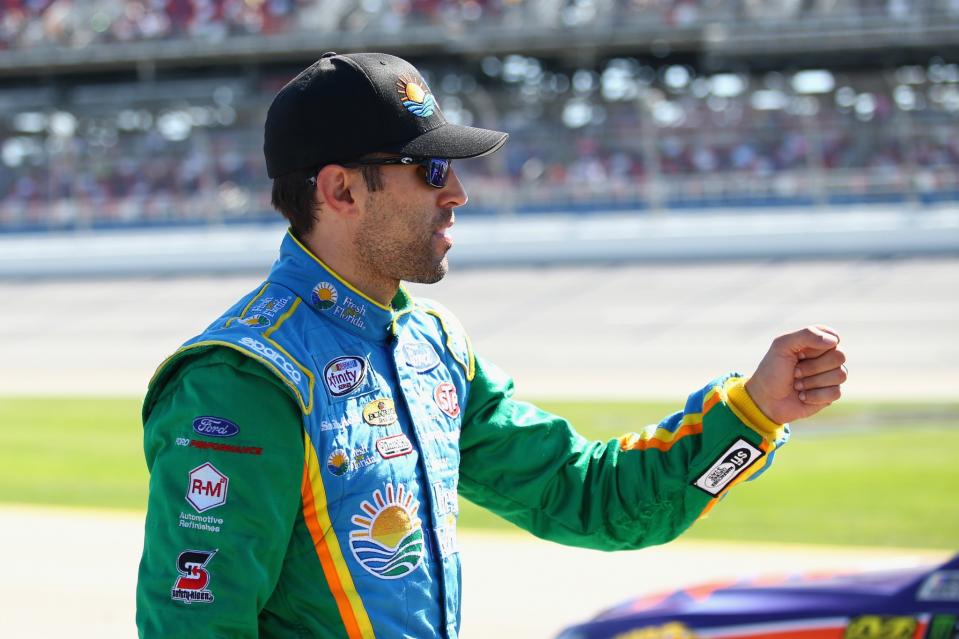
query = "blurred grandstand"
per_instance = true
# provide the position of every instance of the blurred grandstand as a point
(147, 112)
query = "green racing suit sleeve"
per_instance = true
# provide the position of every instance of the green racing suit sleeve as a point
(533, 469)
(222, 504)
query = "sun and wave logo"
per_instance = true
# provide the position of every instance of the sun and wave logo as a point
(416, 97)
(324, 296)
(338, 462)
(255, 321)
(388, 540)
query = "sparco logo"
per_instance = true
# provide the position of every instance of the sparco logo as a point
(274, 357)
(214, 427)
(191, 585)
(344, 374)
(733, 461)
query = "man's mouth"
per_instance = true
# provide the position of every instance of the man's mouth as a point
(442, 233)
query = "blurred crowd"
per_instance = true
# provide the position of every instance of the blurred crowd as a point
(623, 134)
(79, 23)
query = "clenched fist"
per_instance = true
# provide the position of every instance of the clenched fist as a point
(800, 375)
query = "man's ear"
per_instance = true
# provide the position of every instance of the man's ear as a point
(334, 189)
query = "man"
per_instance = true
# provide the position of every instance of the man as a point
(306, 451)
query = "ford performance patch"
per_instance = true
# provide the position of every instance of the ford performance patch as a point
(214, 427)
(728, 466)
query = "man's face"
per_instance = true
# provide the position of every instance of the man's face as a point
(402, 233)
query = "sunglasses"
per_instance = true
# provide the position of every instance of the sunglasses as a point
(437, 169)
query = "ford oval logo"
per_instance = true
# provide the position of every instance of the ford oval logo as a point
(215, 427)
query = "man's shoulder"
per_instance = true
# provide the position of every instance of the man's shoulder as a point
(432, 307)
(457, 341)
(260, 328)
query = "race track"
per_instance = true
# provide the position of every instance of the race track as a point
(619, 331)
(73, 574)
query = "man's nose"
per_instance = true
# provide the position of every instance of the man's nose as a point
(453, 194)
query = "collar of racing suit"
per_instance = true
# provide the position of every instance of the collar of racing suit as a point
(333, 297)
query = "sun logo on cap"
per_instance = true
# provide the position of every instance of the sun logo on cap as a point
(416, 97)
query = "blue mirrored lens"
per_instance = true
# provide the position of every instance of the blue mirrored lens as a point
(437, 171)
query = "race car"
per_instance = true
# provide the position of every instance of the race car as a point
(918, 603)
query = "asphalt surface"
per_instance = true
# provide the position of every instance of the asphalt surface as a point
(73, 574)
(642, 331)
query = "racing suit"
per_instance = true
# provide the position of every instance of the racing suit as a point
(307, 449)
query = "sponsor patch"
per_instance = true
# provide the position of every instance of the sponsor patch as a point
(445, 396)
(380, 412)
(343, 460)
(670, 630)
(336, 424)
(432, 435)
(388, 536)
(421, 356)
(351, 311)
(943, 627)
(255, 321)
(733, 461)
(447, 507)
(192, 586)
(207, 487)
(344, 374)
(324, 296)
(438, 464)
(394, 446)
(208, 523)
(274, 356)
(224, 448)
(270, 306)
(942, 585)
(214, 427)
(338, 463)
(887, 627)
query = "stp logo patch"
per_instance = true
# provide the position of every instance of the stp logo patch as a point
(207, 487)
(445, 396)
(191, 585)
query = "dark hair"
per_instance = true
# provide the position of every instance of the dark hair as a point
(294, 195)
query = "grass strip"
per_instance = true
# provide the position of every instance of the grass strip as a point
(862, 474)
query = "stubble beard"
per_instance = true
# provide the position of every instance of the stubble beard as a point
(408, 258)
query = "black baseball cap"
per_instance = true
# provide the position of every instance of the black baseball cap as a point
(343, 107)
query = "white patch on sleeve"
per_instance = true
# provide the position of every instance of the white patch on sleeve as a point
(728, 466)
